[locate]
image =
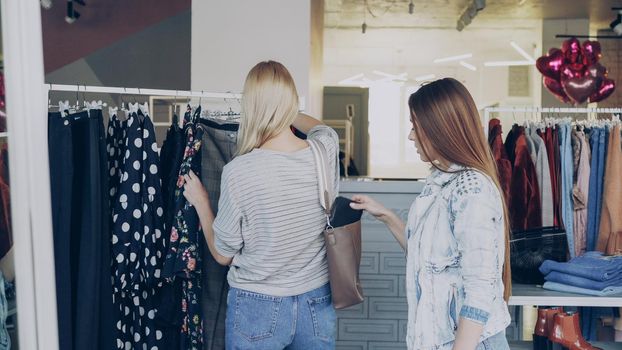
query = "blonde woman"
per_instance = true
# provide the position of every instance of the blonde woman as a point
(456, 237)
(270, 222)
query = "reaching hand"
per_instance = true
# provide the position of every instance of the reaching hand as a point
(194, 191)
(362, 202)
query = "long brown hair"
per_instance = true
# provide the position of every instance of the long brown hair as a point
(445, 114)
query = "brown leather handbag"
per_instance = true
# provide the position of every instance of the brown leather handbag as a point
(342, 236)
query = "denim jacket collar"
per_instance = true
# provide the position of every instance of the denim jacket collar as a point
(442, 178)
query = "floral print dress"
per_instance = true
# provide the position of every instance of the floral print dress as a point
(183, 260)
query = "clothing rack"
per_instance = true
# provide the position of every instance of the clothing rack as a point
(141, 91)
(563, 110)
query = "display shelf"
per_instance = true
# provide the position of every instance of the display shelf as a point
(527, 345)
(523, 294)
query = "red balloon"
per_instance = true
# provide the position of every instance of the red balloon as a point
(597, 71)
(580, 88)
(591, 52)
(570, 71)
(572, 50)
(551, 64)
(607, 87)
(556, 89)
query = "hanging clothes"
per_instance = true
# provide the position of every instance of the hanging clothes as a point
(184, 258)
(504, 166)
(171, 155)
(80, 217)
(580, 190)
(219, 147)
(566, 169)
(115, 145)
(525, 210)
(547, 136)
(138, 245)
(598, 143)
(544, 179)
(610, 237)
(6, 236)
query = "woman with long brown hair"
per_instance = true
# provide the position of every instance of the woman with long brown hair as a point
(456, 237)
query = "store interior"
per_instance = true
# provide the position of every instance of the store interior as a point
(355, 63)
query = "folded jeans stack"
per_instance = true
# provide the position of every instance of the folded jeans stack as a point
(592, 274)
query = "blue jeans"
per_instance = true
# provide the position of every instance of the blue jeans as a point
(591, 265)
(258, 321)
(558, 287)
(567, 166)
(496, 342)
(582, 282)
(5, 339)
(597, 172)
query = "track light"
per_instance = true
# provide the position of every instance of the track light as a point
(364, 27)
(72, 13)
(46, 4)
(411, 7)
(616, 25)
(479, 4)
(469, 13)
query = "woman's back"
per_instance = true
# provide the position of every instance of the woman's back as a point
(270, 219)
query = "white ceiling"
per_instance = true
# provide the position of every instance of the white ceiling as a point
(445, 13)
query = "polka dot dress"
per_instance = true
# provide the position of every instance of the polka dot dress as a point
(183, 259)
(138, 245)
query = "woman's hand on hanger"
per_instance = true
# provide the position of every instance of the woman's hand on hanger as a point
(194, 191)
(380, 212)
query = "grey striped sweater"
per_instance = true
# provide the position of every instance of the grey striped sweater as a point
(270, 219)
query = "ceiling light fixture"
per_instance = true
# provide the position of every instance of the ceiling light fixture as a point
(425, 77)
(411, 7)
(392, 77)
(468, 66)
(72, 13)
(522, 52)
(364, 25)
(507, 63)
(352, 79)
(469, 13)
(453, 58)
(616, 25)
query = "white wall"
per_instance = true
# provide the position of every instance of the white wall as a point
(348, 52)
(230, 36)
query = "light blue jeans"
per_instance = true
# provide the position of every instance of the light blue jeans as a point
(496, 342)
(5, 339)
(566, 154)
(258, 321)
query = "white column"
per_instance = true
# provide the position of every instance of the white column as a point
(29, 170)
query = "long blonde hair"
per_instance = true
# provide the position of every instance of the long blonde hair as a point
(269, 105)
(445, 113)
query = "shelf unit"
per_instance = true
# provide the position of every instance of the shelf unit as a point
(525, 345)
(535, 295)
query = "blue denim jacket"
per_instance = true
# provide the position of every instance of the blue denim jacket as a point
(455, 258)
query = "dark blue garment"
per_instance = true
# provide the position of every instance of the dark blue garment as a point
(591, 265)
(594, 203)
(138, 243)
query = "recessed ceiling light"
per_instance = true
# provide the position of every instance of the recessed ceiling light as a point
(522, 52)
(453, 58)
(425, 77)
(468, 66)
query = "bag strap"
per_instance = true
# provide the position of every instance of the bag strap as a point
(326, 198)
